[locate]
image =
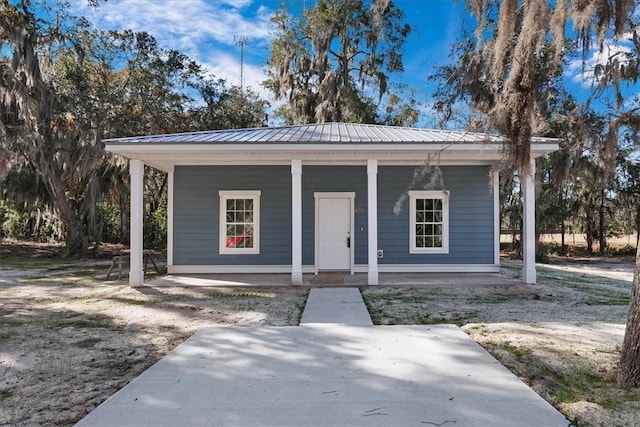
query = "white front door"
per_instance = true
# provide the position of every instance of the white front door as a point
(334, 233)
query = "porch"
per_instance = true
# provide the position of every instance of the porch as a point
(356, 280)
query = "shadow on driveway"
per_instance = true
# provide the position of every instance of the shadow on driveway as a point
(327, 375)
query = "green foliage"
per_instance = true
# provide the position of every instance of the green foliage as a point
(326, 60)
(14, 222)
(228, 107)
(626, 250)
(459, 85)
(64, 87)
(109, 215)
(155, 226)
(401, 111)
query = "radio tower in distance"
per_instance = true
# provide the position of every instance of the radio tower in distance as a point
(241, 42)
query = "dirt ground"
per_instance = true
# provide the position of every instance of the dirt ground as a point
(68, 339)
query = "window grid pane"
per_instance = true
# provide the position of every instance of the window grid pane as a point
(428, 223)
(239, 216)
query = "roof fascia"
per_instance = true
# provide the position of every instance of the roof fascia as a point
(537, 149)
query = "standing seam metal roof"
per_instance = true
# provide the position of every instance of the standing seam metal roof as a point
(321, 133)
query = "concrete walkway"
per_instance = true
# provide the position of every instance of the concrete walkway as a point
(327, 374)
(342, 306)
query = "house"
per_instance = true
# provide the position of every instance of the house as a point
(331, 196)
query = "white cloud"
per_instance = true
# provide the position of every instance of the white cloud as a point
(202, 29)
(583, 72)
(226, 65)
(199, 19)
(237, 3)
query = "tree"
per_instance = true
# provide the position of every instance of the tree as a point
(32, 125)
(227, 107)
(61, 93)
(155, 92)
(552, 207)
(519, 48)
(28, 208)
(64, 87)
(460, 86)
(328, 61)
(628, 185)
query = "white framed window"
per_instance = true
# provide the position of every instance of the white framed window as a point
(429, 222)
(239, 222)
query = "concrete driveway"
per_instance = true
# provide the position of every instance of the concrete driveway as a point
(327, 375)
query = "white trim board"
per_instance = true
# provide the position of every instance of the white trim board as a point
(537, 149)
(224, 195)
(431, 268)
(310, 269)
(170, 184)
(495, 177)
(233, 269)
(166, 164)
(334, 195)
(414, 196)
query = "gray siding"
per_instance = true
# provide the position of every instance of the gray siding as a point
(197, 209)
(470, 215)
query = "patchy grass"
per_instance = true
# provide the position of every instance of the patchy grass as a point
(377, 315)
(577, 380)
(511, 267)
(136, 302)
(295, 320)
(382, 308)
(87, 323)
(609, 299)
(580, 281)
(597, 291)
(8, 262)
(250, 293)
(493, 298)
(453, 320)
(29, 263)
(404, 297)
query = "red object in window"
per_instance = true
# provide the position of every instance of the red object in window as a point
(236, 241)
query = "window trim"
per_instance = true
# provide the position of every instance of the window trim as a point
(442, 195)
(224, 195)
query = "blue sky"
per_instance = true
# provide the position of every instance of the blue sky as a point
(205, 30)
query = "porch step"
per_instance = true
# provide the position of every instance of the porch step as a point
(342, 306)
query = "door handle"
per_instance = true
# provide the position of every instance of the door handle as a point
(348, 242)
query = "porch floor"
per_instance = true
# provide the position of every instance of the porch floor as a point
(358, 280)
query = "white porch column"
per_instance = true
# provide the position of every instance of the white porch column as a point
(372, 209)
(170, 218)
(296, 222)
(136, 171)
(529, 225)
